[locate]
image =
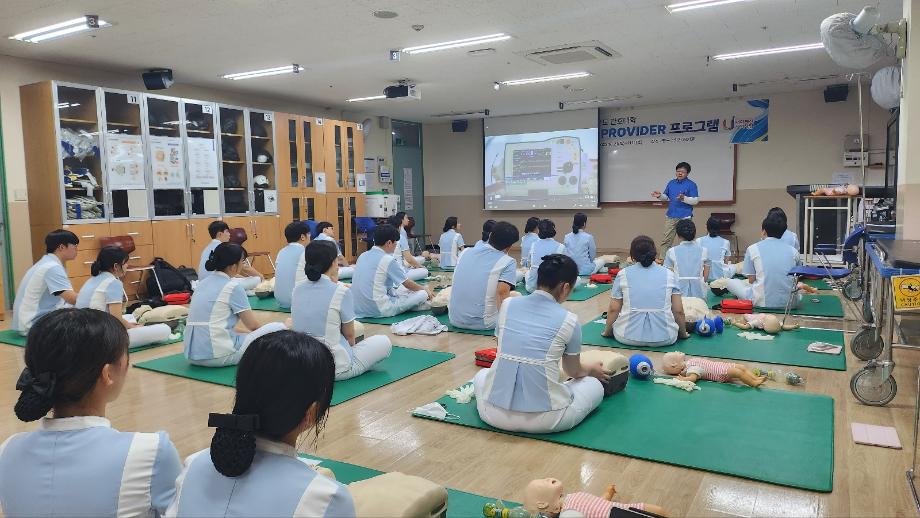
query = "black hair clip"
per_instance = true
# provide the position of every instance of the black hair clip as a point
(43, 384)
(241, 422)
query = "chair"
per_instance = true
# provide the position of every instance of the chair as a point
(126, 243)
(726, 220)
(365, 225)
(239, 236)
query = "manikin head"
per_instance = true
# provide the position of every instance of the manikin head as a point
(674, 362)
(544, 495)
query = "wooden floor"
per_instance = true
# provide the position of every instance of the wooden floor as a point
(375, 430)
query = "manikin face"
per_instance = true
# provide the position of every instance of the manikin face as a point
(544, 495)
(681, 173)
(674, 363)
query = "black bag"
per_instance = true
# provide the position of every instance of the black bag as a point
(153, 303)
(171, 279)
(189, 273)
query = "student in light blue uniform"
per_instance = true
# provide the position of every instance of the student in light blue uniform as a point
(521, 392)
(217, 305)
(326, 232)
(486, 231)
(450, 243)
(645, 305)
(248, 276)
(717, 250)
(530, 237)
(789, 237)
(483, 280)
(104, 291)
(412, 264)
(290, 262)
(45, 286)
(325, 310)
(546, 230)
(377, 272)
(283, 390)
(581, 248)
(689, 261)
(75, 463)
(766, 265)
(682, 195)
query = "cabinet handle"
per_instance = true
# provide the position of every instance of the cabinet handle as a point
(134, 233)
(91, 236)
(134, 257)
(88, 262)
(192, 232)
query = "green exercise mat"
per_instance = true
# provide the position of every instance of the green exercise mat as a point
(267, 304)
(11, 337)
(439, 269)
(402, 363)
(579, 294)
(460, 504)
(775, 436)
(444, 319)
(827, 305)
(786, 348)
(821, 284)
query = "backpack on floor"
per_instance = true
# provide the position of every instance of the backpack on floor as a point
(171, 279)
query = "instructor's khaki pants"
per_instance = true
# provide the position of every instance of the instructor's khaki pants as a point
(670, 230)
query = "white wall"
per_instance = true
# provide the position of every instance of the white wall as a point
(805, 147)
(15, 72)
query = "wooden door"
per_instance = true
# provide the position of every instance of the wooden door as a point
(288, 153)
(198, 240)
(335, 162)
(336, 213)
(290, 207)
(314, 207)
(352, 136)
(312, 132)
(359, 151)
(266, 237)
(172, 241)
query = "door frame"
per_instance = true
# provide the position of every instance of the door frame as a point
(419, 194)
(5, 251)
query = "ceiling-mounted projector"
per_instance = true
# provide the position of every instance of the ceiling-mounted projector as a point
(402, 92)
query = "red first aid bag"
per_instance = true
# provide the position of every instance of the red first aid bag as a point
(737, 306)
(602, 278)
(177, 299)
(485, 357)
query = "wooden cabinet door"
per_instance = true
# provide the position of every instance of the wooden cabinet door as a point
(290, 207)
(352, 136)
(266, 238)
(288, 152)
(138, 230)
(357, 206)
(199, 239)
(88, 234)
(171, 241)
(314, 207)
(359, 152)
(336, 213)
(312, 133)
(335, 161)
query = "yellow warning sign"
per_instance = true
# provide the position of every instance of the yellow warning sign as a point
(906, 290)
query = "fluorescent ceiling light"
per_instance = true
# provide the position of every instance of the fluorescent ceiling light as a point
(698, 4)
(456, 43)
(767, 52)
(370, 98)
(57, 30)
(531, 80)
(286, 69)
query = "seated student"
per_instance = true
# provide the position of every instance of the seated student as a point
(283, 390)
(546, 230)
(326, 232)
(290, 262)
(581, 248)
(217, 305)
(530, 237)
(484, 278)
(450, 243)
(45, 286)
(766, 265)
(104, 291)
(486, 230)
(415, 271)
(717, 249)
(249, 277)
(789, 237)
(645, 306)
(521, 392)
(377, 272)
(75, 463)
(325, 310)
(689, 261)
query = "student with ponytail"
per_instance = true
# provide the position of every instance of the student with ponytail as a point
(325, 231)
(450, 243)
(104, 291)
(530, 237)
(325, 310)
(283, 390)
(217, 305)
(75, 463)
(582, 248)
(645, 305)
(412, 264)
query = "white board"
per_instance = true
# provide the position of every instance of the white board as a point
(641, 147)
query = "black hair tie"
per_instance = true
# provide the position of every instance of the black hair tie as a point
(241, 422)
(43, 384)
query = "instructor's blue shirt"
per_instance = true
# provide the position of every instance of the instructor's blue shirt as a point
(677, 208)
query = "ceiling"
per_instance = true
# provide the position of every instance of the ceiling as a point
(345, 48)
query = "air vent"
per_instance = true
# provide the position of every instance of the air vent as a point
(571, 53)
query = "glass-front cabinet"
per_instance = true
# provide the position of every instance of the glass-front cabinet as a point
(262, 147)
(234, 159)
(201, 145)
(80, 153)
(125, 157)
(166, 156)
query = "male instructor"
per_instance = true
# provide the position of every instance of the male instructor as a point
(682, 194)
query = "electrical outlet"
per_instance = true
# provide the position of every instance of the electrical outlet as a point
(20, 195)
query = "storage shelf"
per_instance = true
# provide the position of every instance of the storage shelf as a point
(230, 135)
(121, 124)
(260, 138)
(267, 163)
(200, 132)
(165, 128)
(76, 121)
(81, 189)
(233, 162)
(234, 188)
